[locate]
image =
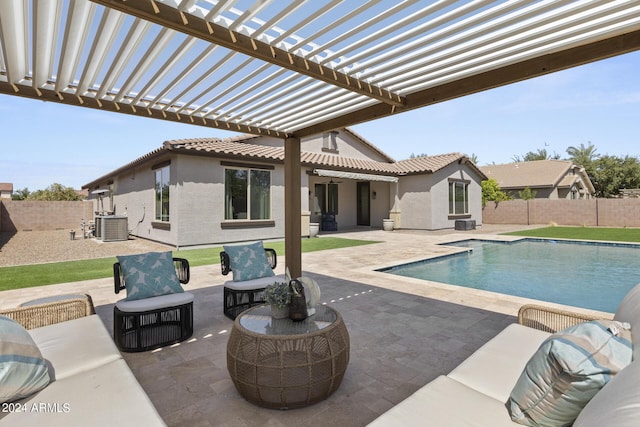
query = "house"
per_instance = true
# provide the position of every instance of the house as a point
(548, 179)
(209, 191)
(6, 190)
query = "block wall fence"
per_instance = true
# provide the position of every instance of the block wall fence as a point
(23, 215)
(591, 213)
(28, 215)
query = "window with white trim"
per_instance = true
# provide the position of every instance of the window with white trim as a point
(247, 194)
(162, 194)
(458, 198)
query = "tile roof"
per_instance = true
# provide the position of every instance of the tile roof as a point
(6, 186)
(427, 163)
(237, 147)
(242, 147)
(538, 173)
(227, 146)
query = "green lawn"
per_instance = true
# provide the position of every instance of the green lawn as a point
(26, 276)
(583, 233)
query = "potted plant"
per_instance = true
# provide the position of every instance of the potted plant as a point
(278, 295)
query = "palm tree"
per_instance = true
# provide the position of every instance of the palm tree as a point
(582, 155)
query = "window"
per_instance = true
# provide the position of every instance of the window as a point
(247, 194)
(329, 141)
(162, 194)
(458, 198)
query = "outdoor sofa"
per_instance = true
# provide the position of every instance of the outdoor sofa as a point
(475, 393)
(90, 384)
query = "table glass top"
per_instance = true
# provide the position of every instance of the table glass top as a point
(259, 321)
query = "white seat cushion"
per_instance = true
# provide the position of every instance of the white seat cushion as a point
(496, 366)
(248, 285)
(446, 402)
(75, 345)
(154, 303)
(108, 395)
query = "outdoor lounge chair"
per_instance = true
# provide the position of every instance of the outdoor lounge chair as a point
(144, 321)
(242, 295)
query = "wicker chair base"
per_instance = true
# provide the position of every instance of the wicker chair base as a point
(237, 301)
(148, 330)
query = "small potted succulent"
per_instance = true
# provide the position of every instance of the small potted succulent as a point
(278, 295)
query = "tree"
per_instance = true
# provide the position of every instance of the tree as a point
(583, 156)
(22, 194)
(612, 173)
(526, 194)
(541, 154)
(491, 192)
(55, 192)
(415, 156)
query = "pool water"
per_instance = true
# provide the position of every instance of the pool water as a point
(589, 275)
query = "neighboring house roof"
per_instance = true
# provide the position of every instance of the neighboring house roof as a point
(6, 186)
(536, 174)
(241, 147)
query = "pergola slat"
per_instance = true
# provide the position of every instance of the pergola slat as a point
(13, 35)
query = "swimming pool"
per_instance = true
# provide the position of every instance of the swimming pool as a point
(588, 275)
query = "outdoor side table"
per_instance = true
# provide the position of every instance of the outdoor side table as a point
(281, 364)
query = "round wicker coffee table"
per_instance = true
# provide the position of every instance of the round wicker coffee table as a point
(281, 364)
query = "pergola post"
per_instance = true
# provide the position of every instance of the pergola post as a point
(292, 206)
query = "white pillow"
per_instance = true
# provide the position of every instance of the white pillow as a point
(23, 370)
(568, 369)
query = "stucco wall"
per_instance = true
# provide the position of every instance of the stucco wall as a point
(414, 192)
(196, 204)
(21, 215)
(424, 199)
(381, 202)
(347, 146)
(134, 196)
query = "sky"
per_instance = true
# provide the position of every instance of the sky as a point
(42, 143)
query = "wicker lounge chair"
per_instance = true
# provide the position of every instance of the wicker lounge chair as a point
(240, 296)
(550, 319)
(150, 323)
(48, 313)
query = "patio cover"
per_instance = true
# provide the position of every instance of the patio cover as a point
(355, 175)
(294, 68)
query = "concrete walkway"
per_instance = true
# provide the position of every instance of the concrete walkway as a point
(404, 333)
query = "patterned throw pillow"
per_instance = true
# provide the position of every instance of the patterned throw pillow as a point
(568, 369)
(248, 262)
(149, 275)
(23, 370)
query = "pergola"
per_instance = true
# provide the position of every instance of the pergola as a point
(294, 68)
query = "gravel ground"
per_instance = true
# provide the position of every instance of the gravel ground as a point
(37, 247)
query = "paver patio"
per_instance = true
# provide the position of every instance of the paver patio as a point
(404, 333)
